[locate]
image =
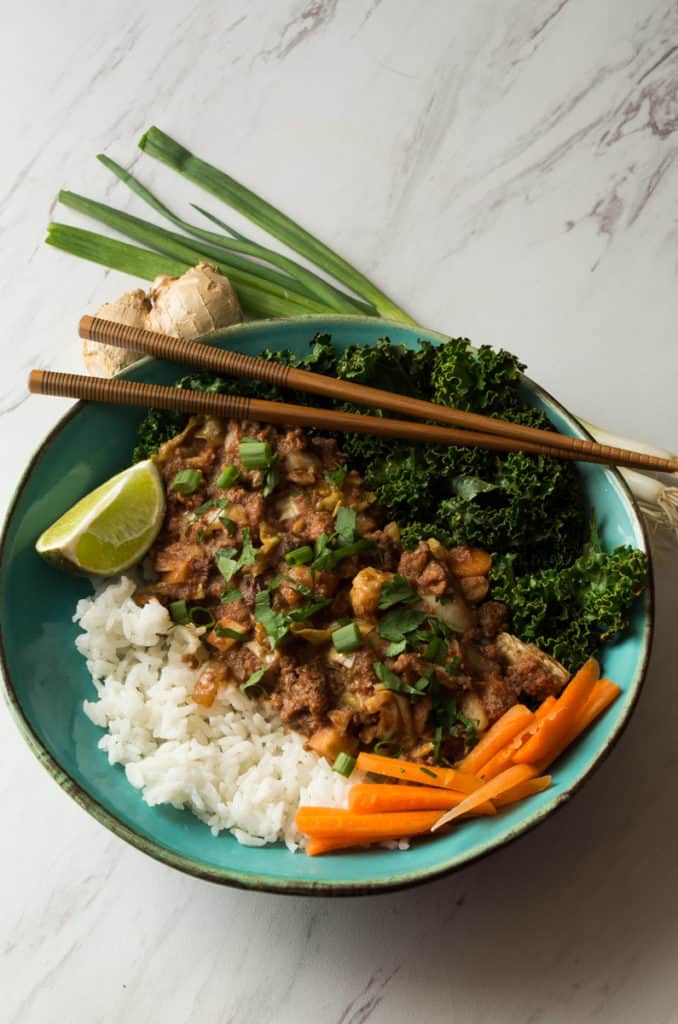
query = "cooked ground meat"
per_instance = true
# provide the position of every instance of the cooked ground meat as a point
(269, 560)
(493, 618)
(302, 699)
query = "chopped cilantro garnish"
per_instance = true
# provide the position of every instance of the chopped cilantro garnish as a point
(275, 623)
(396, 624)
(232, 634)
(337, 476)
(346, 525)
(397, 591)
(254, 681)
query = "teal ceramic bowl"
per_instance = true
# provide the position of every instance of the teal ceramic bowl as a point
(46, 680)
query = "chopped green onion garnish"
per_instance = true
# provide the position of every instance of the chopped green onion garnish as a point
(228, 476)
(438, 735)
(300, 556)
(346, 525)
(344, 764)
(232, 634)
(272, 477)
(231, 595)
(201, 616)
(337, 476)
(230, 526)
(347, 639)
(201, 536)
(255, 454)
(387, 745)
(254, 680)
(179, 612)
(187, 481)
(427, 771)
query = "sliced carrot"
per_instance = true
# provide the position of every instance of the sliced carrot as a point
(580, 687)
(604, 693)
(548, 734)
(523, 789)
(368, 797)
(490, 791)
(503, 759)
(314, 847)
(318, 845)
(330, 823)
(395, 768)
(498, 735)
(554, 727)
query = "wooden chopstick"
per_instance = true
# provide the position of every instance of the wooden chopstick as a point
(238, 364)
(156, 396)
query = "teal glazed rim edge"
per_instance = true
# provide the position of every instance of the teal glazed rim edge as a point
(272, 884)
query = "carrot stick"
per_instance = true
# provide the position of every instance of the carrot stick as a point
(330, 823)
(604, 693)
(503, 759)
(395, 768)
(523, 789)
(368, 798)
(502, 732)
(548, 734)
(492, 789)
(554, 727)
(318, 845)
(314, 847)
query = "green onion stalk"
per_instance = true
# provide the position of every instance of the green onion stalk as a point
(658, 501)
(268, 283)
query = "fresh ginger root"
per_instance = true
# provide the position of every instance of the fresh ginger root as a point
(199, 301)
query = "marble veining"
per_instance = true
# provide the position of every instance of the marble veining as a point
(507, 172)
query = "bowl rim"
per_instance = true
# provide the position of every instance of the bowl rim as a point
(265, 883)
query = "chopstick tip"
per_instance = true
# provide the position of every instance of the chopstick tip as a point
(35, 380)
(85, 326)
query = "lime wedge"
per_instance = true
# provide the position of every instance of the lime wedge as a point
(111, 528)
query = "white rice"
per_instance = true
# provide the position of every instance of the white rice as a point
(233, 764)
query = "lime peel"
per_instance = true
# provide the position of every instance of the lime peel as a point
(112, 527)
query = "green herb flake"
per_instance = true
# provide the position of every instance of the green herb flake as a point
(254, 681)
(397, 591)
(396, 624)
(345, 525)
(337, 476)
(228, 525)
(232, 634)
(275, 623)
(180, 613)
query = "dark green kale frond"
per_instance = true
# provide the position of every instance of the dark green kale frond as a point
(569, 611)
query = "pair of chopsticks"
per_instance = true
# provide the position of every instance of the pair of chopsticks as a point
(474, 430)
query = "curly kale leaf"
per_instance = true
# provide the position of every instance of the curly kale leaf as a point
(570, 611)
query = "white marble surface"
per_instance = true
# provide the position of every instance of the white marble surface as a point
(507, 170)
